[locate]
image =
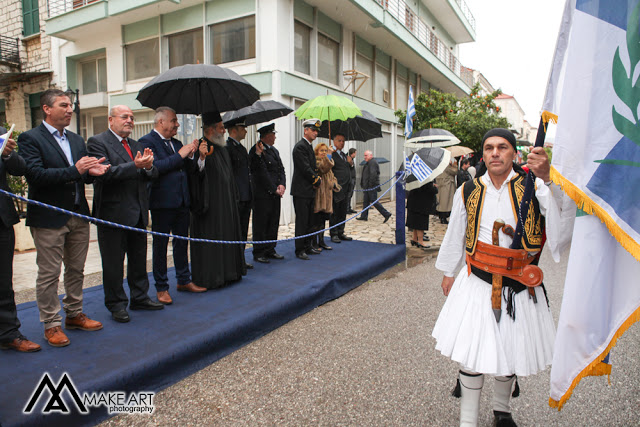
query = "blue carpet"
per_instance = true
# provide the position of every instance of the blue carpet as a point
(157, 349)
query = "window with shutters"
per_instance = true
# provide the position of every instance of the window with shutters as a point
(30, 17)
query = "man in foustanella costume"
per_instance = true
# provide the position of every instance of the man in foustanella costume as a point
(513, 332)
(214, 211)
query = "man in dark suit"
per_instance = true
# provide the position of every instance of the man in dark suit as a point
(169, 201)
(10, 336)
(57, 169)
(304, 183)
(121, 196)
(268, 185)
(342, 172)
(370, 179)
(240, 162)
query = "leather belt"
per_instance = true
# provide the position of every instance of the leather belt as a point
(511, 263)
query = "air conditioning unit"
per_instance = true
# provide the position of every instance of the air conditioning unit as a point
(385, 95)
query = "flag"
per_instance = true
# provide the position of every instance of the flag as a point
(419, 168)
(596, 161)
(407, 165)
(411, 111)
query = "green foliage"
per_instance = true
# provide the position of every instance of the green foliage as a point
(468, 118)
(17, 184)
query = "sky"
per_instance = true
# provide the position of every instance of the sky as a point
(515, 43)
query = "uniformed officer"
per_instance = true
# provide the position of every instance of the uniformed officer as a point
(268, 185)
(240, 163)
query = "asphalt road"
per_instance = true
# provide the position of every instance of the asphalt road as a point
(368, 359)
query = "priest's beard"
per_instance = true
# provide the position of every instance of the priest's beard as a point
(218, 139)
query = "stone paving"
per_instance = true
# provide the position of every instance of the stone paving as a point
(373, 230)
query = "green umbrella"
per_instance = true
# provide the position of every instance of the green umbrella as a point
(328, 107)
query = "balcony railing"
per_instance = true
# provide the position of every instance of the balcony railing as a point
(58, 7)
(467, 13)
(9, 50)
(408, 18)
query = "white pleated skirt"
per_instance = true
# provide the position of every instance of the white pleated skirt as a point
(467, 332)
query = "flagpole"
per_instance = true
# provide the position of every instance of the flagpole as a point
(531, 179)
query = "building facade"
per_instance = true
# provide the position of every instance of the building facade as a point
(26, 62)
(291, 50)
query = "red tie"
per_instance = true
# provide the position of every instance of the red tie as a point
(125, 144)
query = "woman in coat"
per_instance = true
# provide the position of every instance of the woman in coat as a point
(419, 203)
(323, 206)
(446, 183)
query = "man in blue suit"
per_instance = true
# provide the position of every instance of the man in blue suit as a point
(169, 201)
(57, 169)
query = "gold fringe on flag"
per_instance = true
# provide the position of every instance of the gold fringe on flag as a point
(548, 117)
(592, 208)
(597, 366)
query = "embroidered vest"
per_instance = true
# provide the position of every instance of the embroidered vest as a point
(473, 196)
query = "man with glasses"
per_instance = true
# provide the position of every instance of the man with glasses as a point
(304, 183)
(57, 169)
(120, 196)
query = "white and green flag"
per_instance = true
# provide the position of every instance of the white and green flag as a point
(595, 91)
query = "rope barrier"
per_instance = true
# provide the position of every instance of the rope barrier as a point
(98, 221)
(376, 187)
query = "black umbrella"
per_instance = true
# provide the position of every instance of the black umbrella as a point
(436, 158)
(358, 128)
(197, 89)
(431, 138)
(380, 160)
(259, 112)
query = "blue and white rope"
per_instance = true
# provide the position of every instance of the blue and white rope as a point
(98, 221)
(376, 187)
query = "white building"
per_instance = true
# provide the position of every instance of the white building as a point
(290, 50)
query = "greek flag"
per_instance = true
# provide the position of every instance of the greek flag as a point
(419, 168)
(407, 165)
(411, 111)
(596, 160)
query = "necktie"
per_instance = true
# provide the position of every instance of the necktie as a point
(169, 145)
(125, 144)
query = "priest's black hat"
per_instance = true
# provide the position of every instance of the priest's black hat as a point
(211, 118)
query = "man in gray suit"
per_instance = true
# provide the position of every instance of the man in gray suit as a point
(121, 196)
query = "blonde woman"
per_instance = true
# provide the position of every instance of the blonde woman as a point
(323, 206)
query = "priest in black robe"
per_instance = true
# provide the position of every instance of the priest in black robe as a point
(214, 211)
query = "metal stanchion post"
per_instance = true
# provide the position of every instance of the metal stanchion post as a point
(400, 209)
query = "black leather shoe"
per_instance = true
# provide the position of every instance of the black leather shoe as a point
(386, 218)
(146, 305)
(312, 251)
(302, 255)
(324, 246)
(361, 219)
(120, 316)
(503, 419)
(351, 211)
(275, 255)
(344, 237)
(262, 259)
(336, 239)
(248, 266)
